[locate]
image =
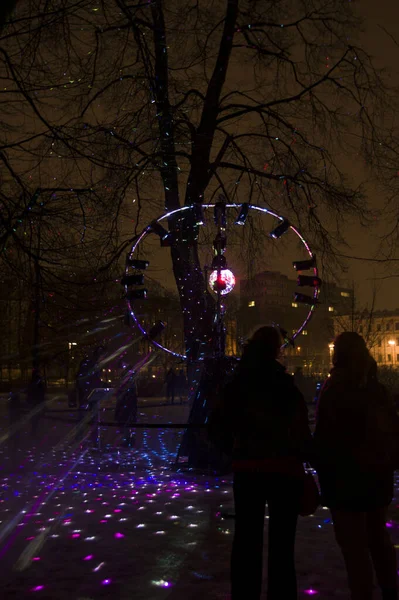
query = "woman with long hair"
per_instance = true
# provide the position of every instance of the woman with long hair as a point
(355, 422)
(266, 417)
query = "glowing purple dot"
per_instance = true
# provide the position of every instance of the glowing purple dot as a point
(388, 524)
(88, 557)
(311, 592)
(118, 536)
(36, 558)
(38, 588)
(75, 535)
(106, 582)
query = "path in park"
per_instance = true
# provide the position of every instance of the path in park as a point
(124, 525)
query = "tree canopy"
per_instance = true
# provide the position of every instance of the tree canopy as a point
(145, 105)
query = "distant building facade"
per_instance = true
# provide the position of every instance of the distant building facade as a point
(380, 329)
(269, 298)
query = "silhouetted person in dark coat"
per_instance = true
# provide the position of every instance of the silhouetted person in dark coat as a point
(35, 398)
(170, 381)
(14, 407)
(15, 412)
(355, 421)
(181, 385)
(265, 417)
(126, 411)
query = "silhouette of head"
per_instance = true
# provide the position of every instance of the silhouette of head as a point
(351, 353)
(265, 343)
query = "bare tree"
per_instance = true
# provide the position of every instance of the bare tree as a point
(6, 8)
(49, 261)
(169, 103)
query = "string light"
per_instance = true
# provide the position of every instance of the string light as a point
(193, 313)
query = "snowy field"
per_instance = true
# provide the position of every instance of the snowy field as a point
(123, 524)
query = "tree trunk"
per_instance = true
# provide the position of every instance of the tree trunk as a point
(36, 318)
(196, 302)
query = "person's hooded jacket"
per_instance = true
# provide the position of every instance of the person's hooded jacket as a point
(262, 419)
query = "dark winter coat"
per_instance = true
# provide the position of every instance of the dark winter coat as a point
(36, 391)
(126, 406)
(264, 414)
(354, 473)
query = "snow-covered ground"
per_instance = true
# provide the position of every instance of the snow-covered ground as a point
(125, 525)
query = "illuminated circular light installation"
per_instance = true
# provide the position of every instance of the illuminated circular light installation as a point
(251, 208)
(225, 282)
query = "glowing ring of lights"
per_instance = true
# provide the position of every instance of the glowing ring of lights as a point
(260, 209)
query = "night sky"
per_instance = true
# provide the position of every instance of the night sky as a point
(367, 277)
(378, 15)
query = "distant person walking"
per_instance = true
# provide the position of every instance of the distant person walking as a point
(266, 417)
(170, 381)
(356, 441)
(126, 412)
(35, 398)
(181, 385)
(14, 415)
(14, 407)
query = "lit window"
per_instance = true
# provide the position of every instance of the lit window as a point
(345, 294)
(330, 309)
(305, 332)
(251, 303)
(294, 305)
